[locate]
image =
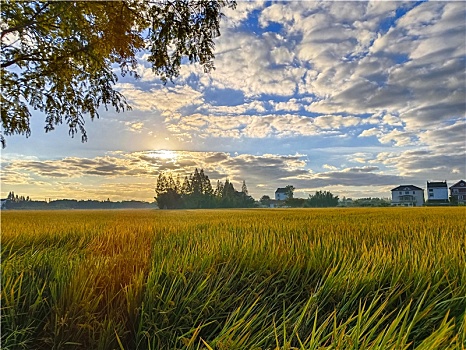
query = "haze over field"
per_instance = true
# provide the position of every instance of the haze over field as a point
(352, 97)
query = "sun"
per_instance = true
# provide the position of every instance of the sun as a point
(164, 154)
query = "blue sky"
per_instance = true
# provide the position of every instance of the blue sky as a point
(352, 97)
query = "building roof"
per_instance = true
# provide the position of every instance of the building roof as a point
(407, 188)
(438, 184)
(460, 184)
(281, 190)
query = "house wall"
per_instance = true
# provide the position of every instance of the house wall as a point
(280, 196)
(437, 193)
(459, 193)
(418, 198)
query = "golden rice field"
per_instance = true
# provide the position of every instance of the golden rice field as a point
(392, 278)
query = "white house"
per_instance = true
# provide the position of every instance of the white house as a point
(437, 191)
(408, 196)
(281, 194)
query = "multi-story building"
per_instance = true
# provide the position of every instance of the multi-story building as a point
(458, 192)
(281, 194)
(408, 196)
(437, 192)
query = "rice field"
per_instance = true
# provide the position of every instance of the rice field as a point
(392, 278)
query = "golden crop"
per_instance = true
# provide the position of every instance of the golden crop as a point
(391, 278)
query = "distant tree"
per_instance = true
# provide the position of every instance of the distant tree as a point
(58, 57)
(208, 199)
(196, 183)
(321, 200)
(161, 184)
(228, 189)
(289, 191)
(265, 200)
(244, 188)
(12, 197)
(167, 195)
(219, 190)
(371, 202)
(178, 185)
(244, 200)
(295, 202)
(186, 187)
(197, 192)
(227, 198)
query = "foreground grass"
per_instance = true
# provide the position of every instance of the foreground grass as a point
(390, 278)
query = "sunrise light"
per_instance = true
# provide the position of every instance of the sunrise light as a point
(164, 154)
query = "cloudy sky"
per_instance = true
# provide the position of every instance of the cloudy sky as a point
(352, 97)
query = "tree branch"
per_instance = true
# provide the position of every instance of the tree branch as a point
(27, 24)
(31, 57)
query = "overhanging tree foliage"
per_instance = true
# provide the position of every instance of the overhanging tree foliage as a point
(59, 57)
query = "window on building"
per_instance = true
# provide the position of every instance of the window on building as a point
(406, 192)
(401, 192)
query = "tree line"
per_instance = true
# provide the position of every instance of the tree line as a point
(17, 199)
(321, 199)
(25, 203)
(196, 192)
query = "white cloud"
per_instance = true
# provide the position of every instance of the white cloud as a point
(292, 105)
(164, 99)
(391, 120)
(330, 53)
(441, 157)
(255, 105)
(361, 157)
(233, 17)
(135, 127)
(329, 167)
(400, 138)
(369, 132)
(253, 126)
(336, 121)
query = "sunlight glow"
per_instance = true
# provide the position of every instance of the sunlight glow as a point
(164, 154)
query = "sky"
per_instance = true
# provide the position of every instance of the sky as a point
(352, 97)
